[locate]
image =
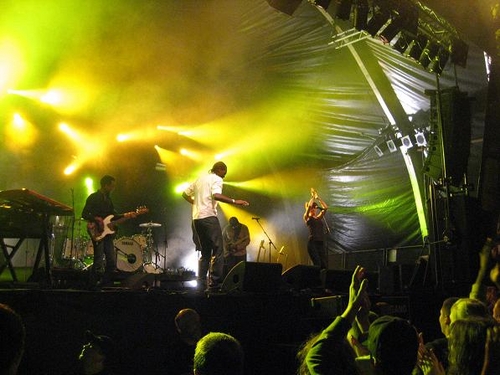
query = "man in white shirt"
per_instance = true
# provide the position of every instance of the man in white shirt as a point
(204, 195)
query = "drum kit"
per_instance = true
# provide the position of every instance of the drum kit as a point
(133, 254)
(139, 251)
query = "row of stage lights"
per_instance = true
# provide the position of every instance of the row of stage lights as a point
(410, 28)
(419, 139)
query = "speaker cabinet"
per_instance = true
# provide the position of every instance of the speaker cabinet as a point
(302, 277)
(253, 277)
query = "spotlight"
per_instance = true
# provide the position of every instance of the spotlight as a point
(417, 47)
(429, 53)
(391, 146)
(406, 141)
(361, 14)
(344, 9)
(377, 21)
(440, 61)
(392, 29)
(379, 151)
(402, 43)
(420, 138)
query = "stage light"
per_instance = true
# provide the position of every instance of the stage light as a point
(390, 32)
(123, 137)
(402, 43)
(379, 151)
(377, 21)
(89, 185)
(420, 138)
(18, 122)
(70, 169)
(406, 141)
(417, 47)
(391, 146)
(344, 9)
(361, 14)
(429, 53)
(405, 20)
(440, 61)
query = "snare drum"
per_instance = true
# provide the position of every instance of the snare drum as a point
(128, 254)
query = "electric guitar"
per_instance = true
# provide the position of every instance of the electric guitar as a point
(98, 232)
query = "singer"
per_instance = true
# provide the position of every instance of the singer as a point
(313, 217)
(204, 195)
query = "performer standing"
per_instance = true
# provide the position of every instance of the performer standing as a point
(204, 195)
(98, 207)
(236, 239)
(313, 217)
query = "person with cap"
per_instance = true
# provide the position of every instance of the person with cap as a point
(392, 342)
(204, 195)
(236, 239)
(98, 355)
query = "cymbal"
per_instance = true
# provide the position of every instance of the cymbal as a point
(150, 225)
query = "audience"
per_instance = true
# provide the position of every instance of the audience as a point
(98, 355)
(12, 338)
(467, 344)
(496, 311)
(358, 342)
(180, 352)
(440, 346)
(491, 364)
(392, 342)
(467, 308)
(218, 354)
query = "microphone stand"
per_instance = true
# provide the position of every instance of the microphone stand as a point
(271, 243)
(72, 240)
(165, 242)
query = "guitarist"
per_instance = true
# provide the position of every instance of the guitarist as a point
(97, 207)
(236, 239)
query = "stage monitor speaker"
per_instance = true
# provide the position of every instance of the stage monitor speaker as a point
(301, 277)
(253, 277)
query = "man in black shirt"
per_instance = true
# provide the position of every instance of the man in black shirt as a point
(98, 208)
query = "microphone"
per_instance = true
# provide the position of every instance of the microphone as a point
(255, 218)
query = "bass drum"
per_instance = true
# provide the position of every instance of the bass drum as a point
(141, 240)
(128, 254)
